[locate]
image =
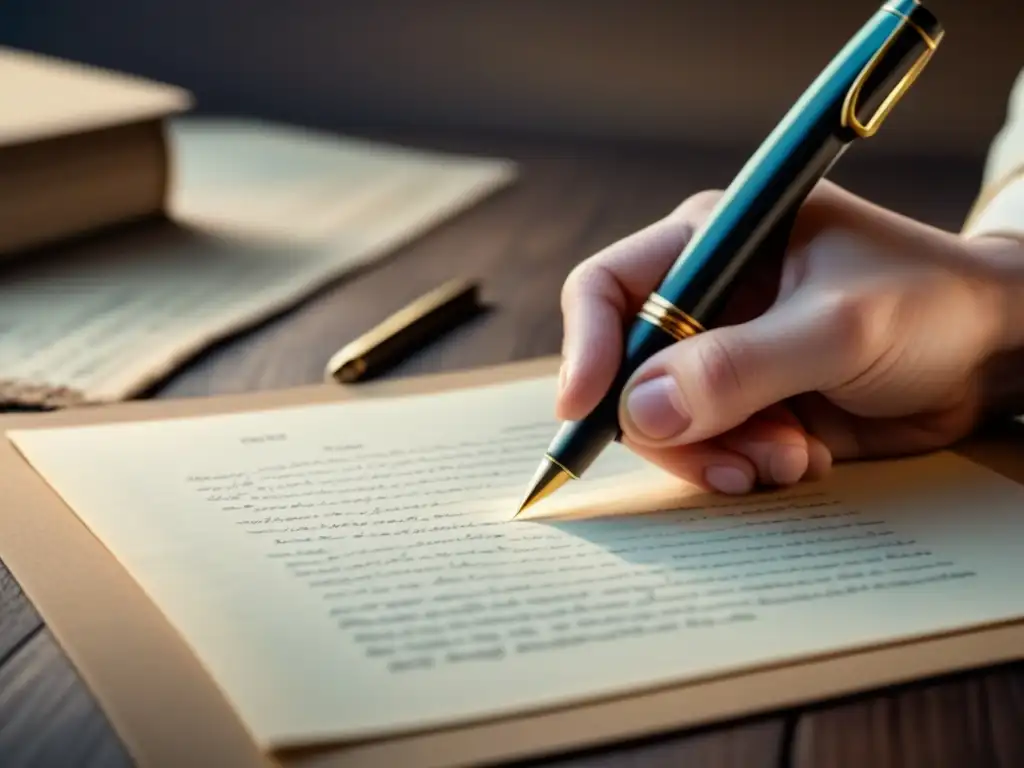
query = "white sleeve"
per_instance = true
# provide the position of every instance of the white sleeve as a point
(999, 207)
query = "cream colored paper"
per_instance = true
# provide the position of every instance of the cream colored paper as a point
(264, 215)
(350, 571)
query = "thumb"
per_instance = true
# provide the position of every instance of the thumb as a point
(704, 386)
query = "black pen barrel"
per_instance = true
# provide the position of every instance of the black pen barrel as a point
(846, 102)
(834, 112)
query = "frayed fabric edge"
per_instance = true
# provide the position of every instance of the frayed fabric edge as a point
(28, 394)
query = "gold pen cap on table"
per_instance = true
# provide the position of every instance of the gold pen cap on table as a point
(405, 332)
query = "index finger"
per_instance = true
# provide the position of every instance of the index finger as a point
(605, 289)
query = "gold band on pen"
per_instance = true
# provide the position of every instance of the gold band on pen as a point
(561, 466)
(849, 114)
(895, 11)
(660, 312)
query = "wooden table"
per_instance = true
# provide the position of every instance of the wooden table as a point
(571, 200)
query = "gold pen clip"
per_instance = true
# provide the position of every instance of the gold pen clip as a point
(849, 114)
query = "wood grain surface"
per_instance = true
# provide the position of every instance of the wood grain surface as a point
(571, 201)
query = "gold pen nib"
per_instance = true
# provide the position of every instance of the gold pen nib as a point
(549, 478)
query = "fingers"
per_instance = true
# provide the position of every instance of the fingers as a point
(849, 436)
(770, 449)
(602, 292)
(594, 308)
(705, 465)
(707, 385)
(777, 446)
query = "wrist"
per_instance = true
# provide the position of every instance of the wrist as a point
(1000, 259)
(1001, 377)
(1000, 393)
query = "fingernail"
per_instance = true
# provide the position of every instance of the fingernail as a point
(728, 480)
(563, 376)
(652, 407)
(788, 464)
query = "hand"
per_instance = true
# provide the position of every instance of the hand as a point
(865, 339)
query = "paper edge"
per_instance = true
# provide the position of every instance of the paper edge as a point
(527, 736)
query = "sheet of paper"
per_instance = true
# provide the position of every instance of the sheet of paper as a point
(349, 570)
(264, 215)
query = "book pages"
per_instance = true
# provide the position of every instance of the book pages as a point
(263, 215)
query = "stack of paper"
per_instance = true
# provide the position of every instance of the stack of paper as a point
(262, 216)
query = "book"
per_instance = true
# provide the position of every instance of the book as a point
(82, 149)
(135, 234)
(343, 574)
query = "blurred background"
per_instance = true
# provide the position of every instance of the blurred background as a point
(694, 85)
(650, 70)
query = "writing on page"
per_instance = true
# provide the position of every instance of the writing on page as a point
(410, 571)
(345, 570)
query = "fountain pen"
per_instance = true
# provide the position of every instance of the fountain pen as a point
(848, 101)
